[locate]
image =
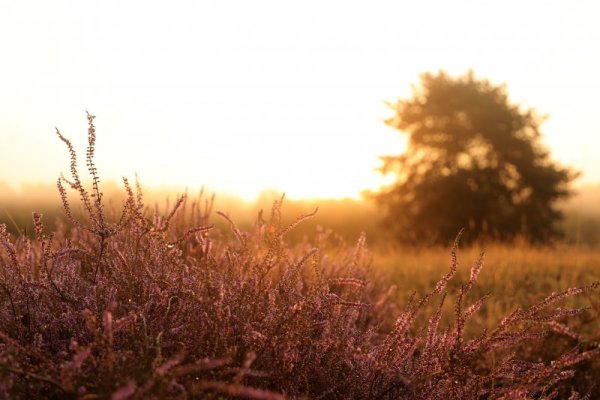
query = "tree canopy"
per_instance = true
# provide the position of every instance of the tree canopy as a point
(473, 160)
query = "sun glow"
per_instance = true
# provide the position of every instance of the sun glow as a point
(247, 96)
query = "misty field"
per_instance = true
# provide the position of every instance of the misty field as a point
(121, 300)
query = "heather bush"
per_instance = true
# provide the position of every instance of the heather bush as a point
(143, 304)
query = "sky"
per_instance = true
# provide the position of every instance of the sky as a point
(245, 96)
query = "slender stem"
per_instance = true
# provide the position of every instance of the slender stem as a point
(100, 254)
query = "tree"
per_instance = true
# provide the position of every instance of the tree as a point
(473, 160)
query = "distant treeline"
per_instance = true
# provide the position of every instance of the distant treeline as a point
(346, 218)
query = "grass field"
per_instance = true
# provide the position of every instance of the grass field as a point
(514, 275)
(179, 302)
(220, 313)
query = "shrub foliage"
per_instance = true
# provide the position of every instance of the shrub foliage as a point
(151, 305)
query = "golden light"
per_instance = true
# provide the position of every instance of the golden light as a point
(247, 96)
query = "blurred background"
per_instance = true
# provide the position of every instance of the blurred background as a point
(254, 99)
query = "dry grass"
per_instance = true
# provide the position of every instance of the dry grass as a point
(514, 275)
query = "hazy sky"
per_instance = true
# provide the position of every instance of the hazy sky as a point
(243, 96)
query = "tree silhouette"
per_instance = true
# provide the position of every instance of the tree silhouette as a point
(473, 160)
